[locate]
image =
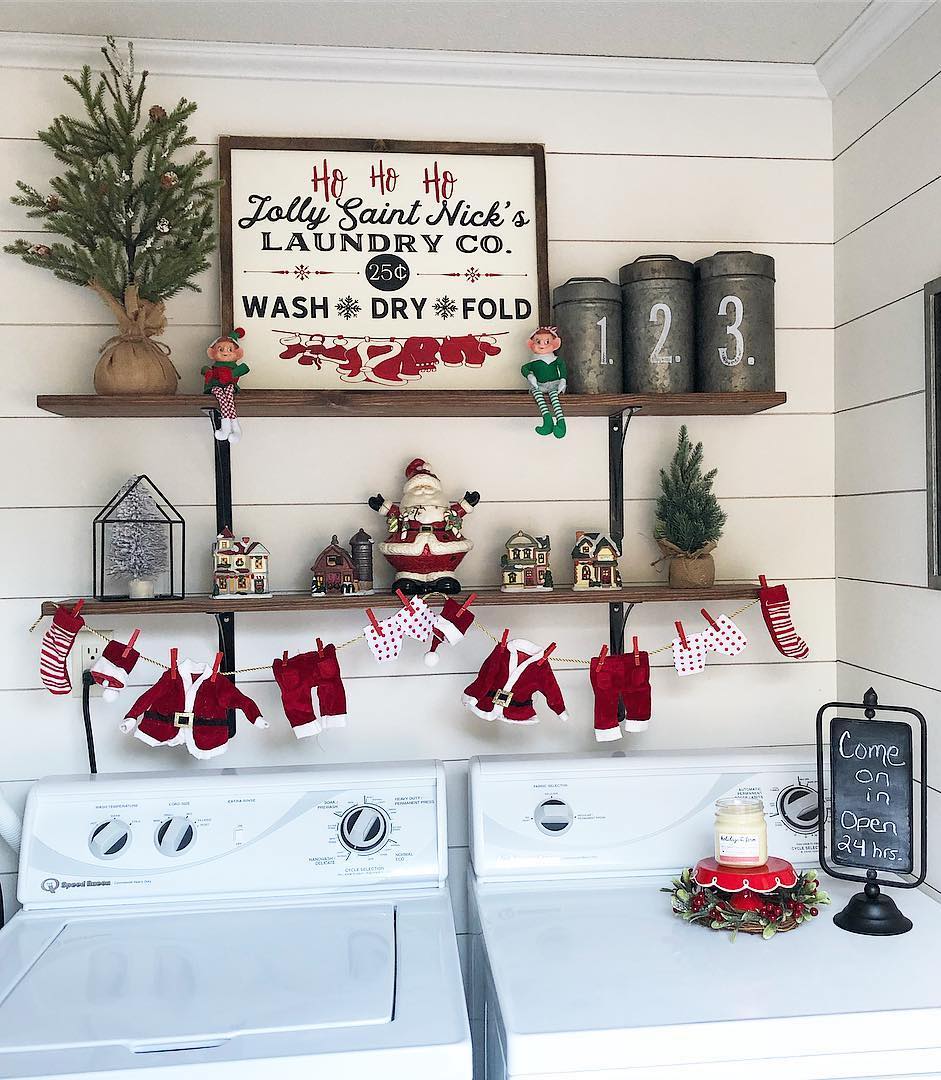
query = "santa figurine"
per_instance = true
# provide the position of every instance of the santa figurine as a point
(425, 543)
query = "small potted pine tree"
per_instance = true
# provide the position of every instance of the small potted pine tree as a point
(130, 216)
(689, 518)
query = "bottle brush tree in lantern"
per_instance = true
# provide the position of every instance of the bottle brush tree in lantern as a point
(689, 518)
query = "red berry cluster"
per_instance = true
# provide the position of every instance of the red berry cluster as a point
(699, 901)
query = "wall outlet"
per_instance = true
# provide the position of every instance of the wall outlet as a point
(85, 652)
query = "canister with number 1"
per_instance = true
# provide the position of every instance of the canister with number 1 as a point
(735, 322)
(657, 315)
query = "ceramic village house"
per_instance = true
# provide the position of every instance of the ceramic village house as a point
(239, 567)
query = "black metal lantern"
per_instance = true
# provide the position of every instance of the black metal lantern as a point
(139, 545)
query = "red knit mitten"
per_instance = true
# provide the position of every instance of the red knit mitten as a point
(57, 643)
(776, 611)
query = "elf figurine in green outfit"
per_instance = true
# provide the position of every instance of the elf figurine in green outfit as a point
(546, 375)
(221, 378)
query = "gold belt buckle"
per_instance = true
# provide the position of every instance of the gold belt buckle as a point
(502, 698)
(183, 719)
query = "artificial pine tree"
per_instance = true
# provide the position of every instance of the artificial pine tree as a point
(133, 218)
(689, 518)
(138, 543)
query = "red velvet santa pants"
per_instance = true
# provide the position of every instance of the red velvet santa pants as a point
(311, 691)
(620, 678)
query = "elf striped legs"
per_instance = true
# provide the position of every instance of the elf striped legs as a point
(229, 428)
(553, 422)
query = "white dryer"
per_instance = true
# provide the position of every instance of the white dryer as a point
(235, 924)
(580, 971)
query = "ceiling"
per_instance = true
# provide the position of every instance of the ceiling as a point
(796, 31)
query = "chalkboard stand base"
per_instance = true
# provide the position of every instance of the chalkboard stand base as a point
(873, 913)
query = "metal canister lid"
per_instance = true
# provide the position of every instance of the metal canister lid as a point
(586, 288)
(656, 268)
(736, 264)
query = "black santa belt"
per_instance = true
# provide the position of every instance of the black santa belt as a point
(190, 720)
(505, 699)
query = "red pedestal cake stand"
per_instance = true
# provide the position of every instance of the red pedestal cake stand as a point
(774, 874)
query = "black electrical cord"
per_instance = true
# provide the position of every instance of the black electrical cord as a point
(87, 682)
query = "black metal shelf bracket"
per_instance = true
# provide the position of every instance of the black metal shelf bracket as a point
(617, 435)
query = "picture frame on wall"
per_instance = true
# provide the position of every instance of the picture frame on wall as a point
(933, 427)
(361, 264)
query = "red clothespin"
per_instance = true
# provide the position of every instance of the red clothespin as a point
(709, 619)
(601, 656)
(375, 622)
(319, 645)
(173, 653)
(405, 601)
(467, 603)
(545, 656)
(284, 657)
(636, 652)
(763, 581)
(78, 607)
(130, 643)
(682, 634)
(215, 667)
(503, 640)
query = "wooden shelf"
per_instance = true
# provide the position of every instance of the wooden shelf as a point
(408, 403)
(486, 597)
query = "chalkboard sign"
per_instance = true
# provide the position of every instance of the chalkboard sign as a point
(871, 785)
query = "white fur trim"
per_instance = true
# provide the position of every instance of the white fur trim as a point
(563, 716)
(335, 721)
(636, 725)
(304, 731)
(522, 723)
(432, 659)
(607, 734)
(429, 540)
(203, 754)
(448, 630)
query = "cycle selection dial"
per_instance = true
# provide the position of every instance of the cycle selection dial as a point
(109, 839)
(174, 836)
(363, 829)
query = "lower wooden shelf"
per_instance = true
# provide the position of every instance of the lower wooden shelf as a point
(486, 597)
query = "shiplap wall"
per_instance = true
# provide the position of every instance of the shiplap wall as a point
(887, 222)
(628, 174)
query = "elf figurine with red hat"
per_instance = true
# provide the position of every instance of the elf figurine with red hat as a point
(425, 542)
(221, 379)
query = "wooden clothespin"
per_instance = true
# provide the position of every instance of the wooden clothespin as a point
(173, 654)
(78, 607)
(682, 634)
(709, 619)
(467, 603)
(375, 622)
(130, 643)
(636, 652)
(406, 603)
(215, 667)
(503, 640)
(602, 655)
(763, 581)
(545, 656)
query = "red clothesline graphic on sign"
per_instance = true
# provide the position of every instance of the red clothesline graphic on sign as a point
(388, 360)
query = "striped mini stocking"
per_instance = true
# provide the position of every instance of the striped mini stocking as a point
(57, 643)
(776, 611)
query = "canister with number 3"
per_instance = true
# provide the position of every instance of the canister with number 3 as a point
(658, 314)
(587, 312)
(735, 322)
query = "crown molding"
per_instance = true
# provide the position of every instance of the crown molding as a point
(880, 24)
(314, 63)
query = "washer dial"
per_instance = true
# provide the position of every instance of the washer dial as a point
(553, 816)
(363, 829)
(174, 836)
(797, 805)
(109, 839)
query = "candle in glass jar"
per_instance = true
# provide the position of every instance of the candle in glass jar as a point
(741, 833)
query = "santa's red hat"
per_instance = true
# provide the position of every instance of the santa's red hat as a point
(450, 625)
(418, 466)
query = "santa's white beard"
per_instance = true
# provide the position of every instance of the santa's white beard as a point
(423, 495)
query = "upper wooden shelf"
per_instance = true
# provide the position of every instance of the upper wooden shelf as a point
(486, 597)
(409, 403)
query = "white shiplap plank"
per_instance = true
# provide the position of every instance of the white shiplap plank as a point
(864, 549)
(882, 447)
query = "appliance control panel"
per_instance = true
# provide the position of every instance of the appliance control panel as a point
(232, 832)
(645, 813)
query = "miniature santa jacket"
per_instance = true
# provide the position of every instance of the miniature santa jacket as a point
(509, 678)
(187, 707)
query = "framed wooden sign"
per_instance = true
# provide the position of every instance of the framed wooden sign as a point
(361, 264)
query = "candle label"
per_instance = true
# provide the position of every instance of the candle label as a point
(739, 845)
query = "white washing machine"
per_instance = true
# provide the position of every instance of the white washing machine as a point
(235, 924)
(580, 970)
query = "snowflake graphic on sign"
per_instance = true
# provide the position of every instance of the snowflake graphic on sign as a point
(445, 308)
(348, 307)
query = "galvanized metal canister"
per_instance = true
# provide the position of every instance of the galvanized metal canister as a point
(587, 312)
(658, 316)
(735, 322)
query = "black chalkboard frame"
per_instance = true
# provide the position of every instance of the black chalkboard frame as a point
(869, 706)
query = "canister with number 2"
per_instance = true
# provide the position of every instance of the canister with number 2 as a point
(735, 322)
(658, 319)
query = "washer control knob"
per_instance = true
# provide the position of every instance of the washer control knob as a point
(174, 836)
(553, 816)
(363, 829)
(109, 839)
